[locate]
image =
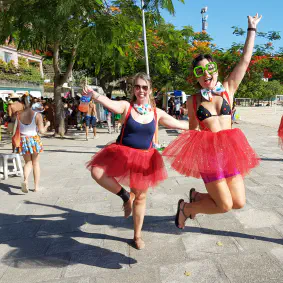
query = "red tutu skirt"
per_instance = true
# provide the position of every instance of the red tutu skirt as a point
(280, 133)
(135, 168)
(196, 153)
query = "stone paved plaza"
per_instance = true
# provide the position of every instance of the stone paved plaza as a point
(73, 231)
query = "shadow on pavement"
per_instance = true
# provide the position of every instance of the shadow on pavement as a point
(272, 159)
(55, 240)
(7, 188)
(59, 240)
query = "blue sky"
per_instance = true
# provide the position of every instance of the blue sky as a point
(223, 14)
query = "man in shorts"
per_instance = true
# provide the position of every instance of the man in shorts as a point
(90, 119)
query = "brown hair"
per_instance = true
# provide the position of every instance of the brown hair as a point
(146, 78)
(201, 57)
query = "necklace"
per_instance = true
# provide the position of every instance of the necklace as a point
(143, 109)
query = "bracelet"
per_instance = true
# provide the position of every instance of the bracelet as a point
(252, 29)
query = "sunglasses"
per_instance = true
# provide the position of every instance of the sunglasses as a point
(143, 87)
(211, 68)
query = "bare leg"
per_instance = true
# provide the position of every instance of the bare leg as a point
(110, 184)
(109, 126)
(27, 166)
(138, 217)
(223, 195)
(36, 170)
(86, 132)
(94, 131)
(220, 201)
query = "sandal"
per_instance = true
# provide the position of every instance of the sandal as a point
(178, 213)
(139, 243)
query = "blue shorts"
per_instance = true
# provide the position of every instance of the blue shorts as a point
(90, 120)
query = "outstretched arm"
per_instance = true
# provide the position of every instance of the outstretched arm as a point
(170, 122)
(118, 107)
(235, 78)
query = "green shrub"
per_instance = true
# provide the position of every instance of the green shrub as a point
(3, 65)
(22, 63)
(11, 67)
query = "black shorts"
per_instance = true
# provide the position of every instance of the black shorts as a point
(177, 113)
(90, 120)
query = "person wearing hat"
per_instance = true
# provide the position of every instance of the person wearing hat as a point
(15, 106)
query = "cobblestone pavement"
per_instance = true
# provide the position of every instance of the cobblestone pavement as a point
(72, 230)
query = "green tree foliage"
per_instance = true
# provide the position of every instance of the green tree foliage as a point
(64, 28)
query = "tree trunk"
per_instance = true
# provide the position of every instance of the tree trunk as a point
(59, 80)
(59, 109)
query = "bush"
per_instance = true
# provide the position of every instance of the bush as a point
(11, 68)
(22, 62)
(3, 65)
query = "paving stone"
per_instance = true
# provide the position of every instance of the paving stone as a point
(75, 241)
(148, 274)
(260, 239)
(250, 268)
(24, 248)
(258, 218)
(96, 261)
(69, 224)
(35, 269)
(72, 280)
(209, 243)
(19, 230)
(192, 271)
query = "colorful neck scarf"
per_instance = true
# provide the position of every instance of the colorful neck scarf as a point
(142, 109)
(207, 93)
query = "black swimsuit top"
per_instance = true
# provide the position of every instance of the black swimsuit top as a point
(203, 113)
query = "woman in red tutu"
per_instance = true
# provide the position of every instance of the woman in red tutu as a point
(280, 133)
(221, 156)
(132, 161)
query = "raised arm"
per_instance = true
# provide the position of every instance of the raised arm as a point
(170, 122)
(233, 81)
(39, 123)
(117, 107)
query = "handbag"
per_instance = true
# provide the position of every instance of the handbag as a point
(16, 138)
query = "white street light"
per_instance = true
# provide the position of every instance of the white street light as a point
(204, 18)
(144, 38)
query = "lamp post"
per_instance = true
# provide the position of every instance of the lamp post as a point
(144, 38)
(204, 18)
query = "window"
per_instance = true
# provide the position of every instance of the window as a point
(7, 57)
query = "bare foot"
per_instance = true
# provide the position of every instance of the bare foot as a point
(128, 206)
(139, 243)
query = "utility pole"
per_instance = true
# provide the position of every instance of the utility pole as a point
(144, 38)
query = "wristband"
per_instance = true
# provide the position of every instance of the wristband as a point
(252, 29)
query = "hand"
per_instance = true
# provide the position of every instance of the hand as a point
(253, 21)
(88, 91)
(47, 124)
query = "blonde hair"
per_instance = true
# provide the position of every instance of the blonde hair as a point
(146, 78)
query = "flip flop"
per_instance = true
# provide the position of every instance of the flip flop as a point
(179, 209)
